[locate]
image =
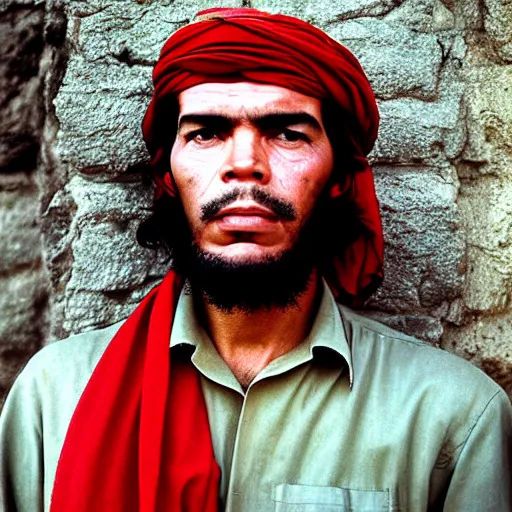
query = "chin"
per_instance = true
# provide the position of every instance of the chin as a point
(245, 280)
(246, 252)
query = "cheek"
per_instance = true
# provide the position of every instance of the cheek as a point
(302, 180)
(179, 168)
(194, 171)
(186, 185)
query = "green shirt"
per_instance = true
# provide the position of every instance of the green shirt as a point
(357, 418)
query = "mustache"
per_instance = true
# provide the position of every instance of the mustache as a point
(280, 208)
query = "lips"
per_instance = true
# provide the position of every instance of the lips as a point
(249, 210)
(246, 218)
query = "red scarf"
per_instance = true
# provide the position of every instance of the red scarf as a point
(139, 438)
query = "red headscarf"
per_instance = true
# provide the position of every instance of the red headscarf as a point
(139, 439)
(233, 45)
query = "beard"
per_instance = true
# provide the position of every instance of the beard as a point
(248, 285)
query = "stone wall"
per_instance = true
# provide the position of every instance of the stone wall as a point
(24, 287)
(76, 80)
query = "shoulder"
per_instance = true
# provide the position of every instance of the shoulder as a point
(418, 369)
(64, 367)
(37, 412)
(80, 350)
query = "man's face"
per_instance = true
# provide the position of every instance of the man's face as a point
(238, 138)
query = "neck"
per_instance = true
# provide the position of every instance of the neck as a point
(249, 341)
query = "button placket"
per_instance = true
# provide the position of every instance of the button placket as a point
(234, 497)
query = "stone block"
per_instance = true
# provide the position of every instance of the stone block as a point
(56, 222)
(90, 245)
(100, 109)
(486, 190)
(19, 230)
(130, 32)
(423, 15)
(22, 297)
(488, 99)
(418, 132)
(109, 271)
(423, 327)
(86, 310)
(486, 205)
(498, 25)
(398, 61)
(424, 256)
(324, 13)
(114, 201)
(106, 255)
(108, 258)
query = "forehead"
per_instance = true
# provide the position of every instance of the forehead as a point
(245, 96)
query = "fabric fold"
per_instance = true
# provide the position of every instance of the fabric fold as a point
(139, 439)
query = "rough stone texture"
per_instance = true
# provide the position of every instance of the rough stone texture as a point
(20, 232)
(324, 13)
(104, 144)
(399, 61)
(419, 216)
(23, 285)
(111, 272)
(443, 162)
(497, 16)
(485, 201)
(416, 132)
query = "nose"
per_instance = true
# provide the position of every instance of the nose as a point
(246, 158)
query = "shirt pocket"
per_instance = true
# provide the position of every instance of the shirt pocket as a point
(312, 498)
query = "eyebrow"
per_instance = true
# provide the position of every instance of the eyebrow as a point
(265, 121)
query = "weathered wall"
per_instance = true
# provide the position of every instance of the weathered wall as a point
(442, 72)
(23, 284)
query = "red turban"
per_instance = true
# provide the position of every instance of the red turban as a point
(232, 45)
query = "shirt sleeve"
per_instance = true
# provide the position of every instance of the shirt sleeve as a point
(21, 461)
(481, 479)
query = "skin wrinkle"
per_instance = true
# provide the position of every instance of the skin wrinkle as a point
(272, 120)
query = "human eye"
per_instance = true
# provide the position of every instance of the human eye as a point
(292, 135)
(203, 136)
(287, 135)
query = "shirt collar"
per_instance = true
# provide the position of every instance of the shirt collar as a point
(327, 332)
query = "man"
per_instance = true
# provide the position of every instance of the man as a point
(274, 397)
